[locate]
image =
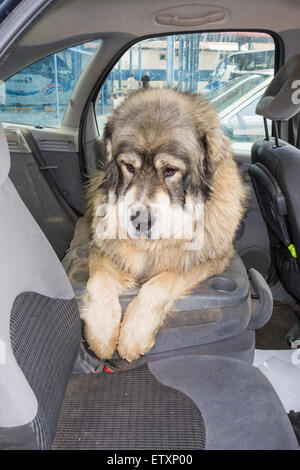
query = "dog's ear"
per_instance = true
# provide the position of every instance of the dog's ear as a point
(198, 180)
(207, 164)
(215, 147)
(112, 172)
(107, 142)
(213, 144)
(200, 176)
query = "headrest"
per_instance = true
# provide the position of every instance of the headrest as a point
(4, 156)
(281, 100)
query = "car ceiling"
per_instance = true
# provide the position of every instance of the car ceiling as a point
(119, 22)
(69, 22)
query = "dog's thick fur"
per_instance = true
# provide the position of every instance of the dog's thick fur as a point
(154, 129)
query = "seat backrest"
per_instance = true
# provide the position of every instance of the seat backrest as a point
(39, 324)
(275, 174)
(271, 201)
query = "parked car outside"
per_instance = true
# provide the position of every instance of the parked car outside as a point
(236, 101)
(239, 63)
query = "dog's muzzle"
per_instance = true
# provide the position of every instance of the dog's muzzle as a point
(141, 222)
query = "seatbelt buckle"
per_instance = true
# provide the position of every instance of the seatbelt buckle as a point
(292, 250)
(293, 344)
(110, 367)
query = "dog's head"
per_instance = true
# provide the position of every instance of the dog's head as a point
(162, 148)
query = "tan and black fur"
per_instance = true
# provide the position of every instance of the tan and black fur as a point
(161, 147)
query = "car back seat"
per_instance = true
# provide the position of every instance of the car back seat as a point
(43, 405)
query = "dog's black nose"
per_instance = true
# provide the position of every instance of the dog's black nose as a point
(133, 217)
(141, 219)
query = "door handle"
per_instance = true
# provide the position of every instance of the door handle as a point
(175, 20)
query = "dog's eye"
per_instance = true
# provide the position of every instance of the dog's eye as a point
(130, 168)
(169, 172)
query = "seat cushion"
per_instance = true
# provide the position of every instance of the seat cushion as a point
(183, 402)
(130, 410)
(45, 334)
(240, 408)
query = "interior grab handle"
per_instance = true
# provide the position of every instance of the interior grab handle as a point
(175, 20)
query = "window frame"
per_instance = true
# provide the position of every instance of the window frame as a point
(278, 43)
(278, 62)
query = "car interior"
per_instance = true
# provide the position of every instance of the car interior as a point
(224, 373)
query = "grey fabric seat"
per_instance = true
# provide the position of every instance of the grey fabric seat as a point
(39, 324)
(39, 341)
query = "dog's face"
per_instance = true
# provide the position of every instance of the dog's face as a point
(160, 163)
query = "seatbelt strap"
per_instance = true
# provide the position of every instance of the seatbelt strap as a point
(46, 171)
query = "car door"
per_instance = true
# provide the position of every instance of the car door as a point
(45, 163)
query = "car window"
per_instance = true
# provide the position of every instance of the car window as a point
(226, 67)
(39, 94)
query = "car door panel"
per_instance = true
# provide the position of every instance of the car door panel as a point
(60, 151)
(53, 216)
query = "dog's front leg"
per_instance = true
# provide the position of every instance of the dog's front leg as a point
(101, 310)
(147, 311)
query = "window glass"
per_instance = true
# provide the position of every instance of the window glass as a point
(229, 68)
(39, 94)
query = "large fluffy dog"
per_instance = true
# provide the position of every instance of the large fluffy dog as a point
(164, 214)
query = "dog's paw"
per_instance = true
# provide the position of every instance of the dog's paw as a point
(102, 344)
(134, 340)
(101, 327)
(132, 346)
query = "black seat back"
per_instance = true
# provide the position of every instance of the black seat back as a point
(275, 173)
(271, 201)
